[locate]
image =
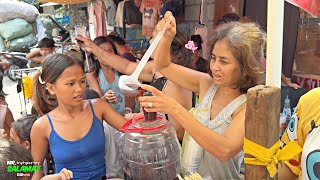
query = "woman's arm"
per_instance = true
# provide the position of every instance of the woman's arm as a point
(223, 146)
(183, 97)
(93, 83)
(185, 77)
(288, 83)
(116, 62)
(32, 56)
(39, 145)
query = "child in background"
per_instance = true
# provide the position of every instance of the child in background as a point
(20, 130)
(46, 47)
(20, 134)
(11, 151)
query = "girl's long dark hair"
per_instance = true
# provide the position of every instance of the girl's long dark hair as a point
(52, 68)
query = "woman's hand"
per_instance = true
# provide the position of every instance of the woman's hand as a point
(86, 43)
(162, 55)
(3, 133)
(170, 29)
(110, 96)
(65, 174)
(293, 85)
(159, 102)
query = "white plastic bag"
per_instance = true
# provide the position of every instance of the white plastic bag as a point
(15, 9)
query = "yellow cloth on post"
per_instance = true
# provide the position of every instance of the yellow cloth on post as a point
(269, 157)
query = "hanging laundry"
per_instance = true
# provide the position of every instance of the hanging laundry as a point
(92, 21)
(111, 9)
(203, 12)
(100, 13)
(131, 13)
(119, 14)
(151, 14)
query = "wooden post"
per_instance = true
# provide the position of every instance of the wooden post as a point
(262, 124)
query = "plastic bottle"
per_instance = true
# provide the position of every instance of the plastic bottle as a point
(287, 109)
(285, 116)
(27, 86)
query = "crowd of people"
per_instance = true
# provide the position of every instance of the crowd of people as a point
(77, 113)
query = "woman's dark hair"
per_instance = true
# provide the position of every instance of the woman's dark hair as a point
(23, 127)
(246, 42)
(98, 41)
(181, 55)
(230, 17)
(197, 40)
(12, 152)
(52, 68)
(46, 43)
(118, 40)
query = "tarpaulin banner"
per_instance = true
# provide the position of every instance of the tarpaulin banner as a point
(311, 6)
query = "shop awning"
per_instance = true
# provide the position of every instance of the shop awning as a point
(66, 1)
(49, 4)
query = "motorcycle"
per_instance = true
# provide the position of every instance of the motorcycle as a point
(16, 60)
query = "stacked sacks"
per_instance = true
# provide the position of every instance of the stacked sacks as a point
(2, 48)
(15, 25)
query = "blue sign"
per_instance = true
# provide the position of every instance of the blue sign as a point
(64, 20)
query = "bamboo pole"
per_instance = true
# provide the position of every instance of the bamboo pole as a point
(262, 124)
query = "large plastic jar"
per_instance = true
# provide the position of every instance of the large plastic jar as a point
(152, 154)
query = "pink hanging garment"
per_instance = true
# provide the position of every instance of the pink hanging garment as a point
(92, 21)
(99, 11)
(203, 18)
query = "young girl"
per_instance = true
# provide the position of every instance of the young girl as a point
(73, 129)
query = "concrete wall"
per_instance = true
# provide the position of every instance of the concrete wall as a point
(192, 15)
(192, 12)
(48, 10)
